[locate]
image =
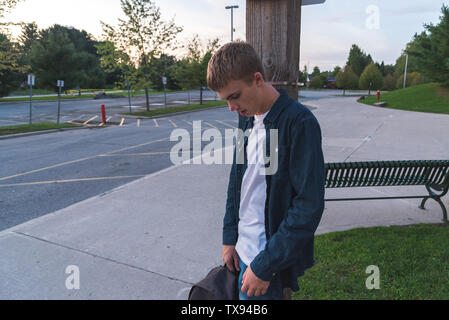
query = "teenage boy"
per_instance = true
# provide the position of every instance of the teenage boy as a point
(271, 217)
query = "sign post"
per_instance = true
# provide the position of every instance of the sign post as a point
(60, 85)
(164, 82)
(31, 79)
(129, 95)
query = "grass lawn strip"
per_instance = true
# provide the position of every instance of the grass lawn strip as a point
(23, 128)
(430, 97)
(413, 264)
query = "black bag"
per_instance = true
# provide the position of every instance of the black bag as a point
(219, 284)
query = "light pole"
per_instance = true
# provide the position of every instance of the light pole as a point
(405, 72)
(232, 20)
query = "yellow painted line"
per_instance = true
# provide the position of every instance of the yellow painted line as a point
(46, 168)
(141, 154)
(121, 123)
(174, 124)
(83, 159)
(90, 120)
(69, 180)
(210, 125)
(101, 124)
(74, 122)
(156, 124)
(109, 118)
(226, 124)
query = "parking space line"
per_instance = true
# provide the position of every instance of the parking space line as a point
(79, 160)
(155, 123)
(95, 117)
(210, 125)
(229, 125)
(69, 180)
(174, 124)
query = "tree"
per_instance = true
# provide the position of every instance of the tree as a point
(143, 36)
(358, 60)
(413, 79)
(389, 82)
(55, 56)
(316, 71)
(336, 70)
(399, 67)
(30, 34)
(431, 49)
(192, 70)
(347, 79)
(319, 81)
(11, 72)
(115, 63)
(385, 69)
(162, 66)
(371, 78)
(6, 5)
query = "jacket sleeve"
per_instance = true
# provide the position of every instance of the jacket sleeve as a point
(307, 177)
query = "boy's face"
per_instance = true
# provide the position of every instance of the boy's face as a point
(243, 97)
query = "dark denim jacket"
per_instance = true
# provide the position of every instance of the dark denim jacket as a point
(295, 193)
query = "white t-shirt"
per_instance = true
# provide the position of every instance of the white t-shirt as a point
(251, 230)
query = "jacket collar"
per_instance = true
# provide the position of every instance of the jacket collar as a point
(276, 110)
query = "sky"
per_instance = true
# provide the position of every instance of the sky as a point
(379, 27)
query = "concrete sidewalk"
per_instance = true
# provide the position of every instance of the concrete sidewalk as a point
(154, 237)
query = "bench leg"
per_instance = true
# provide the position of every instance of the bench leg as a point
(437, 198)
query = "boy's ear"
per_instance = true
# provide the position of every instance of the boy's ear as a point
(259, 78)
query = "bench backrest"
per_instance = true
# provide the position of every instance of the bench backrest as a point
(387, 173)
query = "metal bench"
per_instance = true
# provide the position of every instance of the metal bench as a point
(433, 174)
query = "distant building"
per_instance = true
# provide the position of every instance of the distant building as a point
(331, 84)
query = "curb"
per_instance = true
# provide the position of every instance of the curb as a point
(169, 114)
(35, 133)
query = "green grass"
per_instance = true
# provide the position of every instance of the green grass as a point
(54, 98)
(430, 97)
(76, 96)
(413, 264)
(6, 130)
(26, 92)
(170, 110)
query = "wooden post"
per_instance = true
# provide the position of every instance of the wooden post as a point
(273, 28)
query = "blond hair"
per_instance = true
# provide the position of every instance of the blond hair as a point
(234, 61)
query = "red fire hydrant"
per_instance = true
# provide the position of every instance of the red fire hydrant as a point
(378, 94)
(103, 113)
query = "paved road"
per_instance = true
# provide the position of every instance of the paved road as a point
(43, 173)
(83, 109)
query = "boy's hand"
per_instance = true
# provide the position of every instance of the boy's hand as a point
(252, 285)
(231, 258)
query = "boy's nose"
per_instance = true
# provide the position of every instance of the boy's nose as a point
(231, 106)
